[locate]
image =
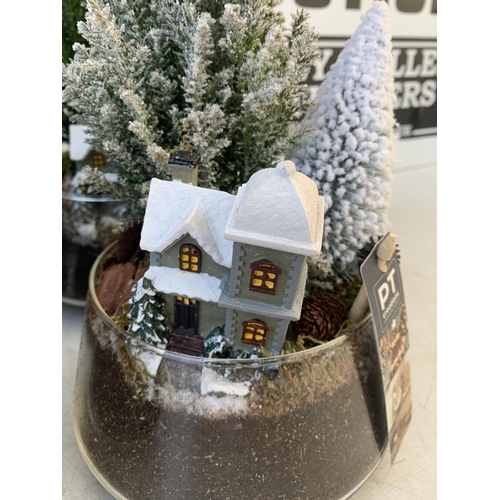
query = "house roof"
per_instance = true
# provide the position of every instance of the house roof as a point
(278, 208)
(175, 209)
(78, 147)
(199, 286)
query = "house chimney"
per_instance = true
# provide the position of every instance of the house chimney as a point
(184, 167)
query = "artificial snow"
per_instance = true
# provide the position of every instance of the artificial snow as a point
(203, 405)
(350, 154)
(140, 291)
(175, 209)
(150, 359)
(199, 286)
(212, 382)
(87, 231)
(278, 208)
(218, 396)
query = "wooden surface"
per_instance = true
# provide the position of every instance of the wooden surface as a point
(413, 475)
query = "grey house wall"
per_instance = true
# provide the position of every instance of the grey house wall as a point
(287, 301)
(210, 315)
(170, 258)
(276, 310)
(275, 336)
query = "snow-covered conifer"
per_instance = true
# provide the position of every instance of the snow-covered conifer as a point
(147, 313)
(221, 77)
(350, 154)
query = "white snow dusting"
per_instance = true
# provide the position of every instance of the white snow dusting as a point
(350, 154)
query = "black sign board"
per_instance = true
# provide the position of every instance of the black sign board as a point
(384, 289)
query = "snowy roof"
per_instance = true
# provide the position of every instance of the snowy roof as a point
(78, 147)
(199, 286)
(175, 209)
(278, 208)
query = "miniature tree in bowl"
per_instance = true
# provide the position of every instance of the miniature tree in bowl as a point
(163, 416)
(223, 79)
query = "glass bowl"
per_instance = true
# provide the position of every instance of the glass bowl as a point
(89, 225)
(154, 424)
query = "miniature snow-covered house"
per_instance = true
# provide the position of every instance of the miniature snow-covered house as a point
(81, 152)
(236, 262)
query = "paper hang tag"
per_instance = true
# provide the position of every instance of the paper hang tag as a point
(384, 289)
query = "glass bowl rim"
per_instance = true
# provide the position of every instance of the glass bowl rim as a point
(87, 198)
(270, 361)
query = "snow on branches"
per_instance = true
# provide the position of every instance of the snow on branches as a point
(222, 78)
(148, 321)
(350, 155)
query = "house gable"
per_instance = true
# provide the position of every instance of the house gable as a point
(170, 257)
(175, 209)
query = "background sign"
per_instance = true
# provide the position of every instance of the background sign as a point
(414, 38)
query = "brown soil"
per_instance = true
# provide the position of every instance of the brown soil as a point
(317, 450)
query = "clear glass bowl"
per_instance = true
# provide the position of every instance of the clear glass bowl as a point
(157, 425)
(88, 226)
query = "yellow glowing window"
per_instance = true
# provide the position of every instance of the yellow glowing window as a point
(189, 258)
(264, 277)
(185, 300)
(254, 332)
(98, 160)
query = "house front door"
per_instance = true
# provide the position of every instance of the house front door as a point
(186, 315)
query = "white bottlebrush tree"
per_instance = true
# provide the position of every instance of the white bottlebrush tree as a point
(148, 321)
(350, 155)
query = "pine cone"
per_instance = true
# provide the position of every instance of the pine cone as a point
(322, 316)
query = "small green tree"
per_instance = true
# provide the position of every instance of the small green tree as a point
(223, 78)
(148, 321)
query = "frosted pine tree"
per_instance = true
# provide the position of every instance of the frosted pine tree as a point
(223, 78)
(146, 313)
(350, 154)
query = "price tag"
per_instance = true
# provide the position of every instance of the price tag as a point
(384, 289)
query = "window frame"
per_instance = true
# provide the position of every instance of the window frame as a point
(98, 160)
(264, 266)
(193, 252)
(247, 325)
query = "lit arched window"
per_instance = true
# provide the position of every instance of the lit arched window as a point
(254, 332)
(189, 258)
(98, 160)
(264, 277)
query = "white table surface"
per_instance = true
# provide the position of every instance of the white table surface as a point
(413, 475)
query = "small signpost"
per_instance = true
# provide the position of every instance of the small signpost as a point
(383, 293)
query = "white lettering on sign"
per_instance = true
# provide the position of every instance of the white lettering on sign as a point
(409, 69)
(413, 94)
(392, 303)
(339, 18)
(383, 294)
(383, 291)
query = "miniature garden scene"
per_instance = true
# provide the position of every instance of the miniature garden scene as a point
(228, 350)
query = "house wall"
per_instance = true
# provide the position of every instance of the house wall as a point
(210, 315)
(286, 289)
(275, 336)
(170, 258)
